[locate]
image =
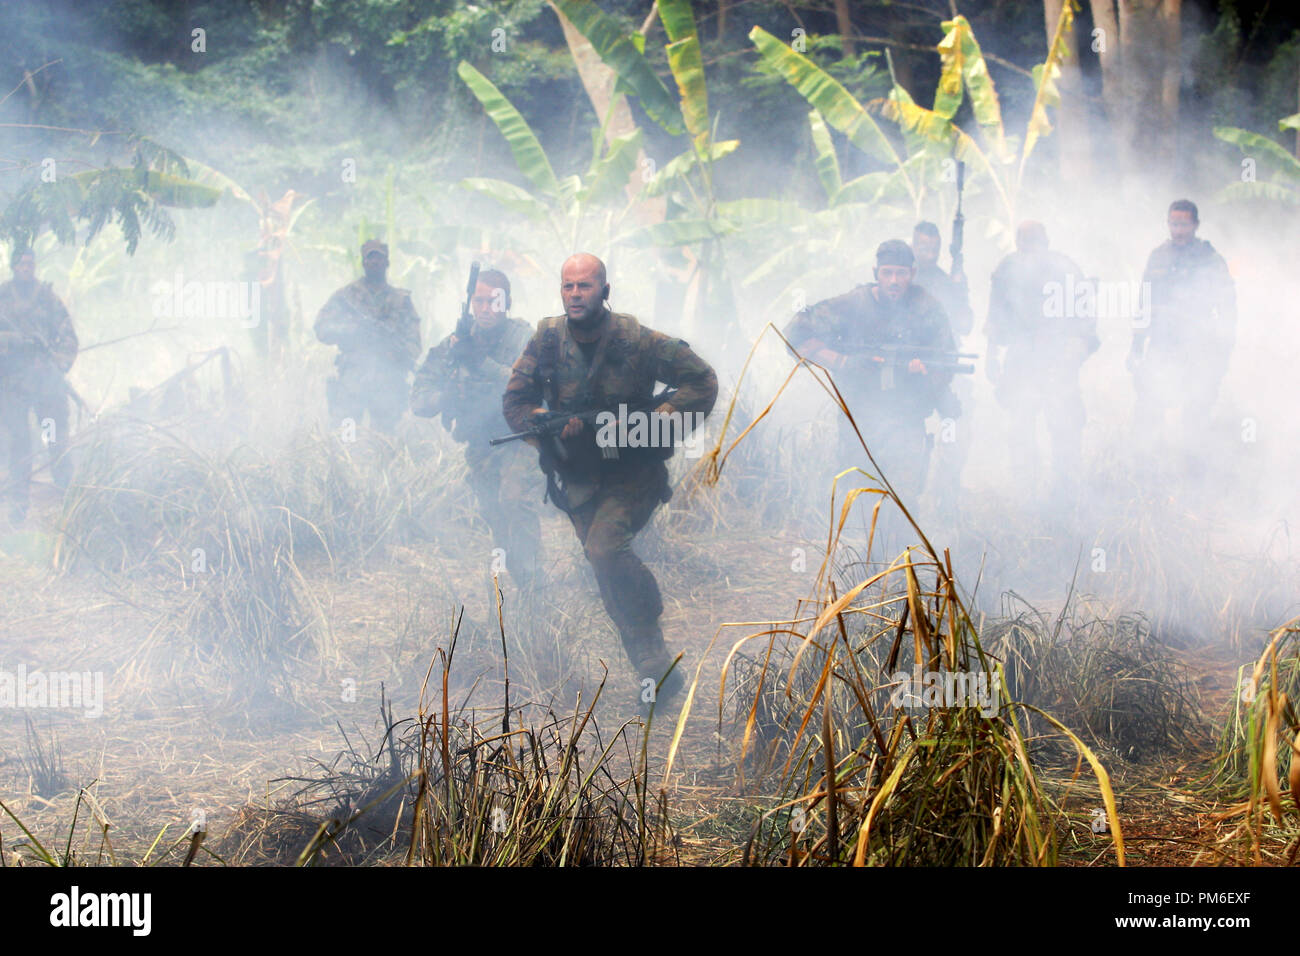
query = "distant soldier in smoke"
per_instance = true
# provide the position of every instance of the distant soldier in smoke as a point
(37, 348)
(1037, 342)
(951, 291)
(462, 379)
(892, 347)
(589, 358)
(1179, 361)
(378, 335)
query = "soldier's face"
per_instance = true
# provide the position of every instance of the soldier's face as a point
(925, 248)
(488, 305)
(25, 269)
(583, 292)
(375, 264)
(1181, 227)
(893, 281)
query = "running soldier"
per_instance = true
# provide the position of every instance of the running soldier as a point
(1032, 319)
(462, 380)
(37, 348)
(378, 335)
(590, 358)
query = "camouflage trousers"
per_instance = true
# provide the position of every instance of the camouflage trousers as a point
(606, 524)
(509, 490)
(40, 391)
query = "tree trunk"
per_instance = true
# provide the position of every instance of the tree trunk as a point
(1171, 22)
(844, 23)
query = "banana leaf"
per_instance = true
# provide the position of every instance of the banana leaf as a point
(1250, 142)
(677, 232)
(961, 57)
(828, 166)
(1259, 192)
(1046, 92)
(827, 95)
(682, 164)
(622, 53)
(514, 198)
(609, 177)
(687, 64)
(1289, 122)
(528, 153)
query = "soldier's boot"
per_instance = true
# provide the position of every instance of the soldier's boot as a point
(650, 659)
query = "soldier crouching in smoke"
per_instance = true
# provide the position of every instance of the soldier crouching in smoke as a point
(462, 379)
(37, 348)
(377, 332)
(589, 358)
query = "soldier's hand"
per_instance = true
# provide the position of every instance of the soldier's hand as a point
(917, 367)
(573, 427)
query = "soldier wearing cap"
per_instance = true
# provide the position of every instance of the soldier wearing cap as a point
(377, 333)
(877, 339)
(37, 348)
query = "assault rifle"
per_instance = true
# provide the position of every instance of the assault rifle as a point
(900, 356)
(465, 327)
(548, 425)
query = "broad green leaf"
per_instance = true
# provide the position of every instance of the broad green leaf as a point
(507, 194)
(1046, 93)
(682, 164)
(1259, 192)
(864, 189)
(620, 52)
(685, 61)
(1250, 142)
(749, 213)
(678, 20)
(529, 155)
(610, 176)
(826, 94)
(960, 51)
(1289, 122)
(677, 232)
(828, 166)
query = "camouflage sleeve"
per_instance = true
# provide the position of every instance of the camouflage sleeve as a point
(427, 389)
(814, 324)
(678, 367)
(62, 336)
(334, 322)
(523, 392)
(941, 339)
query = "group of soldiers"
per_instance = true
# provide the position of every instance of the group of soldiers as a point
(893, 341)
(891, 344)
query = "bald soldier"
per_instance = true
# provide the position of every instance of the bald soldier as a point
(377, 333)
(590, 358)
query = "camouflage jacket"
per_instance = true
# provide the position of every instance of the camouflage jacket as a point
(34, 322)
(627, 361)
(371, 325)
(857, 324)
(1036, 301)
(466, 391)
(952, 295)
(1193, 301)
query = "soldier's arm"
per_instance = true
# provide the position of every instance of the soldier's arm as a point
(1146, 294)
(995, 326)
(334, 323)
(408, 329)
(63, 342)
(811, 332)
(427, 394)
(677, 366)
(523, 394)
(1226, 305)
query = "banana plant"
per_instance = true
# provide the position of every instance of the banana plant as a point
(564, 206)
(1275, 157)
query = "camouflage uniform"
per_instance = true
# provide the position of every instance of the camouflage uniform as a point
(378, 335)
(466, 391)
(1192, 332)
(890, 404)
(1040, 372)
(609, 500)
(37, 347)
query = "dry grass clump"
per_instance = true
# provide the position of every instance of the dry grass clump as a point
(1109, 678)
